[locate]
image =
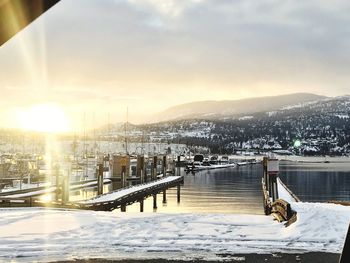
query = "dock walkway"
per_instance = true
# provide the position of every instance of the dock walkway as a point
(132, 194)
(36, 191)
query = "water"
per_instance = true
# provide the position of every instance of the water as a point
(231, 190)
(317, 182)
(238, 190)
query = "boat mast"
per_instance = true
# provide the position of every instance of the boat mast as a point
(126, 130)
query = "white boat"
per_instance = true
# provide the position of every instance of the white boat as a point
(197, 166)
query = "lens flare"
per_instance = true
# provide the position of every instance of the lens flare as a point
(297, 143)
(48, 118)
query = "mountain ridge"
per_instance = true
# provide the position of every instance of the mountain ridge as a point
(209, 109)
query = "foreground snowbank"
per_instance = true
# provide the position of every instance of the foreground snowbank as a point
(47, 234)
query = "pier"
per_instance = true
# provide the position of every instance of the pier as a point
(151, 176)
(276, 196)
(106, 202)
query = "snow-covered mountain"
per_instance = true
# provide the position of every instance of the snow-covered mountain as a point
(232, 108)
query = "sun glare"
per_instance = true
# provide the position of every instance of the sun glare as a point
(43, 118)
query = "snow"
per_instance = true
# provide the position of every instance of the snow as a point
(125, 191)
(24, 186)
(283, 193)
(32, 193)
(53, 189)
(52, 234)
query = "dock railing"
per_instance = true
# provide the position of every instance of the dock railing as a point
(277, 207)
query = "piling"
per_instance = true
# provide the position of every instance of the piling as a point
(265, 160)
(178, 193)
(164, 196)
(100, 179)
(154, 167)
(139, 167)
(145, 163)
(120, 168)
(154, 201)
(141, 205)
(123, 176)
(123, 208)
(164, 165)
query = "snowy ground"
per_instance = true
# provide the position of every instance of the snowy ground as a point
(49, 234)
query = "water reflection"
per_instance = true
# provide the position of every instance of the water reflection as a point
(317, 182)
(232, 190)
(238, 190)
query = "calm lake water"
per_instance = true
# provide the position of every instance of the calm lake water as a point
(238, 190)
(317, 182)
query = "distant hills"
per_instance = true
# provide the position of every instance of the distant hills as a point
(321, 125)
(234, 108)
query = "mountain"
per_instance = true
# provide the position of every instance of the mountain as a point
(234, 108)
(321, 128)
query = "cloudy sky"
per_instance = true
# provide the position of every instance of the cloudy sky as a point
(99, 57)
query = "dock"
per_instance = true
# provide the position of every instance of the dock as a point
(105, 202)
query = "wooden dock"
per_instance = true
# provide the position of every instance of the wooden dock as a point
(106, 202)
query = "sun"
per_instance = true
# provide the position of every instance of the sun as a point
(43, 118)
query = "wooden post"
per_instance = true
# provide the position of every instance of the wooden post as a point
(164, 165)
(123, 176)
(155, 164)
(265, 159)
(154, 201)
(100, 179)
(145, 163)
(123, 208)
(272, 170)
(164, 196)
(141, 205)
(178, 193)
(140, 168)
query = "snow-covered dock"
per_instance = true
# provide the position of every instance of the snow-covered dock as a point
(31, 192)
(129, 195)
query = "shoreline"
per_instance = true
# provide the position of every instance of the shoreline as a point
(315, 257)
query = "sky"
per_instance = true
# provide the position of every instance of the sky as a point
(95, 58)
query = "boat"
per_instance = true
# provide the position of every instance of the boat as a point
(200, 163)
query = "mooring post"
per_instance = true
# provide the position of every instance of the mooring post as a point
(164, 165)
(272, 170)
(155, 164)
(154, 201)
(265, 159)
(145, 163)
(164, 196)
(100, 179)
(123, 177)
(178, 193)
(139, 168)
(141, 205)
(123, 208)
